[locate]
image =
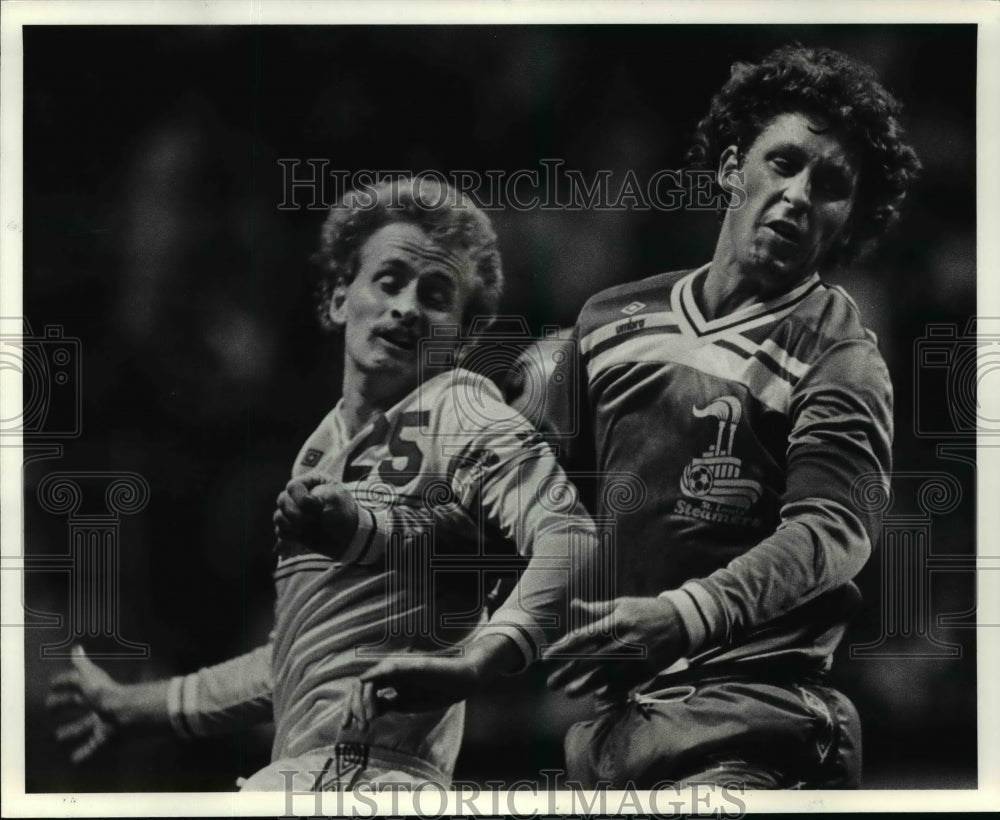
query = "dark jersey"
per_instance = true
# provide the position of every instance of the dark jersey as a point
(751, 437)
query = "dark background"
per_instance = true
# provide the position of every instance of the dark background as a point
(152, 234)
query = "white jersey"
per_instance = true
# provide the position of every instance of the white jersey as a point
(440, 477)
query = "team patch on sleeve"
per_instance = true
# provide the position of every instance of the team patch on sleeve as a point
(311, 458)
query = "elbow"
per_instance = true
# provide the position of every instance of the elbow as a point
(841, 543)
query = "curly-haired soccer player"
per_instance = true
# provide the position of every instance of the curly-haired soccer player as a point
(750, 399)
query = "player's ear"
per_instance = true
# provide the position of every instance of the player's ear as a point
(730, 161)
(338, 313)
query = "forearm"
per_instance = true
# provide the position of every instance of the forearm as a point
(808, 555)
(494, 655)
(377, 528)
(222, 698)
(561, 542)
(140, 706)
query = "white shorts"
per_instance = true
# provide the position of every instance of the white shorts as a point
(342, 767)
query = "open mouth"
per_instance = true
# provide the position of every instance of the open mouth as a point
(398, 340)
(786, 230)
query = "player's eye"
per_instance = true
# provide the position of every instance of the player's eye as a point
(389, 280)
(783, 165)
(438, 294)
(437, 298)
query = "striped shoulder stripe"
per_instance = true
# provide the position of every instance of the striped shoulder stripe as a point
(722, 359)
(763, 358)
(618, 331)
(770, 353)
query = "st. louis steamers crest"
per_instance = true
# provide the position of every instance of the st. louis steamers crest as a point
(715, 478)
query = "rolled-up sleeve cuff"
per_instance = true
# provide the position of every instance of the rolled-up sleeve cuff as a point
(365, 546)
(181, 700)
(522, 630)
(698, 612)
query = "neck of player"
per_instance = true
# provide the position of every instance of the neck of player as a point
(368, 393)
(733, 282)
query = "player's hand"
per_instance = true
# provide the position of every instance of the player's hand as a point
(413, 683)
(316, 510)
(597, 658)
(423, 683)
(82, 702)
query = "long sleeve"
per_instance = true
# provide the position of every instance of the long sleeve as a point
(501, 480)
(538, 506)
(223, 698)
(841, 415)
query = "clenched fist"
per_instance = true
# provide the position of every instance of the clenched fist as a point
(317, 511)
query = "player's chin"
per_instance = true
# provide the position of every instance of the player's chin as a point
(395, 365)
(785, 269)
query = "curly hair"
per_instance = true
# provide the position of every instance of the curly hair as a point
(446, 215)
(829, 85)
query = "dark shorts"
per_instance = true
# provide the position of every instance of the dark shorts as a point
(723, 731)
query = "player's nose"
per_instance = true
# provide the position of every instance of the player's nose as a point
(798, 190)
(405, 304)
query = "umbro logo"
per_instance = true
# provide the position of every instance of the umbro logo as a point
(630, 326)
(633, 307)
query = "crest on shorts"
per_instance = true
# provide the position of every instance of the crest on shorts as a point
(343, 770)
(827, 728)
